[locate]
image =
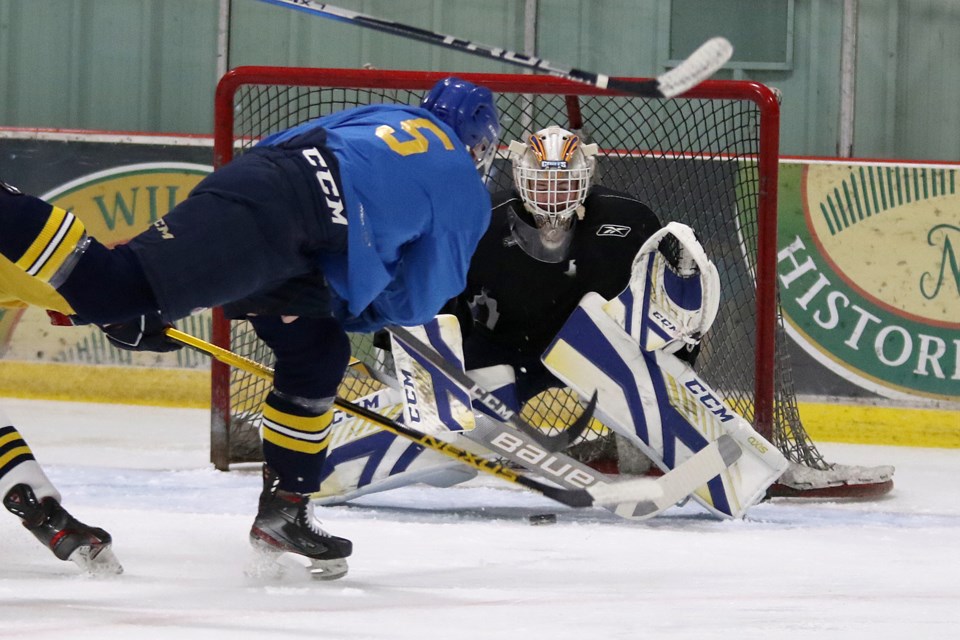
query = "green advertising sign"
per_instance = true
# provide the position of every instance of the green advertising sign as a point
(869, 277)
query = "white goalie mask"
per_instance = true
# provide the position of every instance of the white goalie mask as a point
(552, 172)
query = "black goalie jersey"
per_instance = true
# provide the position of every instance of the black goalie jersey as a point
(519, 303)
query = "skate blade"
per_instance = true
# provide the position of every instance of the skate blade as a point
(272, 564)
(328, 569)
(96, 561)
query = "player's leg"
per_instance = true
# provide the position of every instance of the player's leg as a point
(43, 240)
(28, 493)
(311, 357)
(48, 243)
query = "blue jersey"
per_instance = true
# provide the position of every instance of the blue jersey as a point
(415, 210)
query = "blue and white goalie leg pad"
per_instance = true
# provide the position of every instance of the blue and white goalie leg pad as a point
(365, 459)
(433, 403)
(659, 404)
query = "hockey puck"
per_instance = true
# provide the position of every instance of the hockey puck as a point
(543, 518)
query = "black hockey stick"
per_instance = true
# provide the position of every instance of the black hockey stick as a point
(504, 413)
(701, 64)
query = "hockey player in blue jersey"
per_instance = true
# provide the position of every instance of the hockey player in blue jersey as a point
(350, 222)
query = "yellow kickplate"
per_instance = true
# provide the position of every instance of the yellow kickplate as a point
(162, 387)
(864, 424)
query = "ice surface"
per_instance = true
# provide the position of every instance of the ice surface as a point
(464, 562)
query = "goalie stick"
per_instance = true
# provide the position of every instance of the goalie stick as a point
(701, 64)
(646, 497)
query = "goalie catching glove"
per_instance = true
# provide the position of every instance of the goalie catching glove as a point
(674, 292)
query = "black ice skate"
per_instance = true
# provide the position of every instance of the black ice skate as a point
(67, 537)
(285, 524)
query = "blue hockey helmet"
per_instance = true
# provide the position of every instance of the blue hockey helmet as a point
(471, 112)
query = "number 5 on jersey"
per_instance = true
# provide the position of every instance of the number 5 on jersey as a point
(419, 142)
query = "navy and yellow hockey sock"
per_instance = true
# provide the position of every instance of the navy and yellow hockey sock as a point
(296, 432)
(43, 240)
(13, 450)
(18, 466)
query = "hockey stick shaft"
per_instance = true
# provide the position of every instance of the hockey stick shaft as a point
(701, 64)
(569, 497)
(495, 405)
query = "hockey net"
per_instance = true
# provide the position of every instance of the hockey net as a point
(708, 160)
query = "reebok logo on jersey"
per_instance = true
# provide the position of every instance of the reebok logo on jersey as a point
(613, 230)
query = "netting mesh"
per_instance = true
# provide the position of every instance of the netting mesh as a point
(691, 160)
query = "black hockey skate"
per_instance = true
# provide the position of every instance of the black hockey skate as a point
(67, 537)
(285, 524)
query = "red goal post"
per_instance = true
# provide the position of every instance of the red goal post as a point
(708, 159)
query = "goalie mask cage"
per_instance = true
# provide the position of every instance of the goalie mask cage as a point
(708, 159)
